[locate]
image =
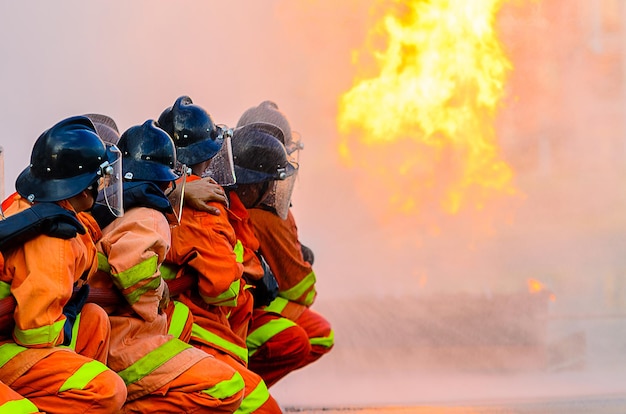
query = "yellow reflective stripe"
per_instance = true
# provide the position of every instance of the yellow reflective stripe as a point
(43, 335)
(103, 263)
(228, 388)
(212, 338)
(325, 341)
(238, 249)
(277, 305)
(134, 295)
(226, 298)
(5, 289)
(310, 297)
(168, 271)
(21, 406)
(153, 360)
(266, 331)
(137, 273)
(179, 319)
(8, 351)
(83, 376)
(254, 400)
(72, 344)
(299, 289)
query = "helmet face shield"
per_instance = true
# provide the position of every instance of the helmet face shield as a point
(294, 146)
(278, 195)
(222, 168)
(110, 187)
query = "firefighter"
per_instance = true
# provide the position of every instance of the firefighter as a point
(54, 351)
(273, 351)
(161, 372)
(205, 249)
(267, 112)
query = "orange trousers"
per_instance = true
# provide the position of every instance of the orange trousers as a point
(13, 403)
(184, 394)
(254, 384)
(290, 349)
(76, 382)
(45, 384)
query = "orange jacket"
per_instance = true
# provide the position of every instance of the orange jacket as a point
(281, 248)
(40, 275)
(206, 245)
(240, 220)
(130, 252)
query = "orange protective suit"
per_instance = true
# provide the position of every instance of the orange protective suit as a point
(162, 373)
(280, 246)
(13, 403)
(279, 345)
(204, 246)
(40, 274)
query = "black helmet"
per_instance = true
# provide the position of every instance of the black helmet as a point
(148, 153)
(66, 159)
(259, 156)
(195, 135)
(267, 112)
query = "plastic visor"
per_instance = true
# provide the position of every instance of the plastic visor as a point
(110, 188)
(177, 195)
(294, 146)
(278, 196)
(222, 168)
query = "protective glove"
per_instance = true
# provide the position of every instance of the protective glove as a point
(71, 311)
(307, 253)
(264, 290)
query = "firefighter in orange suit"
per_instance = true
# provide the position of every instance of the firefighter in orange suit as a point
(290, 261)
(161, 372)
(206, 250)
(289, 344)
(55, 352)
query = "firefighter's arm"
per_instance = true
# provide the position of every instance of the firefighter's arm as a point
(135, 254)
(282, 250)
(218, 259)
(43, 293)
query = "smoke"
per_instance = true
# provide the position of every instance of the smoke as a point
(403, 293)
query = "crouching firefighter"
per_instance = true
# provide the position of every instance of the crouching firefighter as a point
(161, 372)
(205, 249)
(53, 345)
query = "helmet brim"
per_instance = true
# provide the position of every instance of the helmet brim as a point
(148, 171)
(199, 152)
(36, 189)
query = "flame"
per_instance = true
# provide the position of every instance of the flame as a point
(423, 130)
(535, 286)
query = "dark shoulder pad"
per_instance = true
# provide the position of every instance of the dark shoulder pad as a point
(42, 218)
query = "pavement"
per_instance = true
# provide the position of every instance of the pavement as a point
(607, 404)
(381, 366)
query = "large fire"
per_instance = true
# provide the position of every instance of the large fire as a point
(422, 127)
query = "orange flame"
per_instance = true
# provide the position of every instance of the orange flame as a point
(535, 286)
(423, 129)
